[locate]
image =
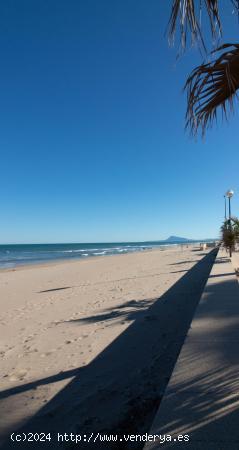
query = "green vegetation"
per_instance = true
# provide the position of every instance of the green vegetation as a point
(212, 85)
(230, 233)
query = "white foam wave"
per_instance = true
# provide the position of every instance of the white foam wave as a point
(72, 251)
(99, 253)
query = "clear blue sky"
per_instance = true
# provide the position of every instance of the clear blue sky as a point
(92, 135)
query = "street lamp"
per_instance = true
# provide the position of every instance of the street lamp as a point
(225, 208)
(229, 194)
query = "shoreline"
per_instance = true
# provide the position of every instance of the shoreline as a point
(60, 261)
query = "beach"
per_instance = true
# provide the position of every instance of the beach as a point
(80, 334)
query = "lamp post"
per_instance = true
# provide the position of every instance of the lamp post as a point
(225, 207)
(229, 194)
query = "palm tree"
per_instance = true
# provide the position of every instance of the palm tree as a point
(212, 85)
(228, 236)
(230, 233)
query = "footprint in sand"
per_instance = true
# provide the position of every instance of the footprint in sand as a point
(74, 315)
(8, 350)
(33, 350)
(43, 355)
(84, 336)
(18, 375)
(28, 338)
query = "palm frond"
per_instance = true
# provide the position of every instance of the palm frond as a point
(212, 86)
(187, 13)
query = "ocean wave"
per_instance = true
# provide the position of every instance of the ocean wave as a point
(100, 253)
(72, 251)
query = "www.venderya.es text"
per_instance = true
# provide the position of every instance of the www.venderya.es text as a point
(97, 437)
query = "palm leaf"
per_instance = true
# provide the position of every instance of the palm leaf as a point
(187, 13)
(211, 87)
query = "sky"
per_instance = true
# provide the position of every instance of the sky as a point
(92, 139)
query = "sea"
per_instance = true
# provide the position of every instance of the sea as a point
(22, 254)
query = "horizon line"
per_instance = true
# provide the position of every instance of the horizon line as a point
(110, 242)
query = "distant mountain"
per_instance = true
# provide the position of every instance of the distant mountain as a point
(176, 239)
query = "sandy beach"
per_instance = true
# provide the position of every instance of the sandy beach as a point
(86, 343)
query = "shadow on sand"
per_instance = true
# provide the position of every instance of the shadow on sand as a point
(120, 390)
(55, 289)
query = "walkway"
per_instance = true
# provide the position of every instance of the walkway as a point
(202, 397)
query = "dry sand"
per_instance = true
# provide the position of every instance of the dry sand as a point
(103, 331)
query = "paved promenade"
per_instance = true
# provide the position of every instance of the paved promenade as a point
(202, 397)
